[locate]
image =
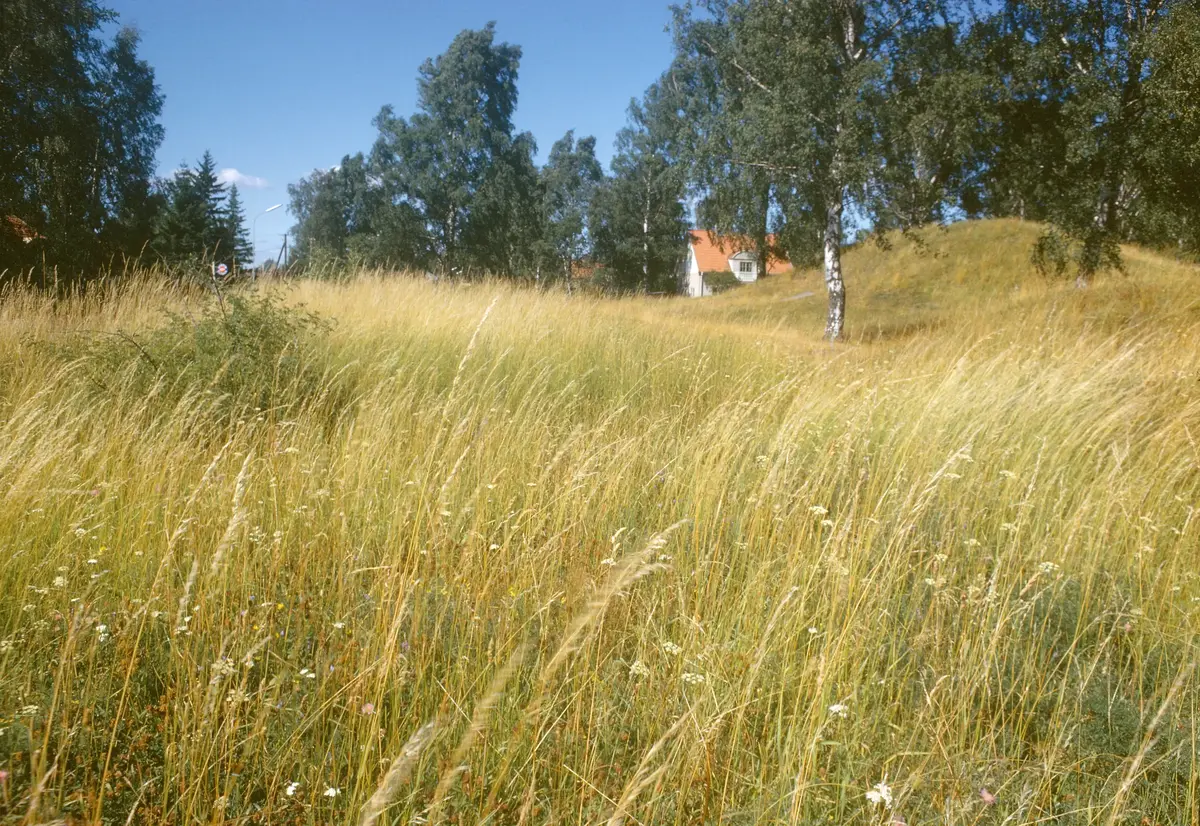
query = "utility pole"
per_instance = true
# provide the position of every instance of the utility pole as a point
(282, 258)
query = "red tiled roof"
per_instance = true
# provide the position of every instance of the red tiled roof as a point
(714, 251)
(21, 229)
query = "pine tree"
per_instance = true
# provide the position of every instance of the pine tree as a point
(193, 225)
(236, 237)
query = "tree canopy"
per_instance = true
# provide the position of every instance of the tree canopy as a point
(79, 129)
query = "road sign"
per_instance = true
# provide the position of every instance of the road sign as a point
(222, 270)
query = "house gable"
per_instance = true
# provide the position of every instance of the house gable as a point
(712, 253)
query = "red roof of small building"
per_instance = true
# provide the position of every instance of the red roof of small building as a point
(714, 251)
(21, 229)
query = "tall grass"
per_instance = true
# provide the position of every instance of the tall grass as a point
(486, 555)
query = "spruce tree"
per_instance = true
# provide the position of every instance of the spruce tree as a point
(236, 237)
(193, 225)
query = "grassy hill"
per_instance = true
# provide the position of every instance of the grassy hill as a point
(470, 553)
(976, 273)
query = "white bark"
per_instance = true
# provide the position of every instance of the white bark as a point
(834, 284)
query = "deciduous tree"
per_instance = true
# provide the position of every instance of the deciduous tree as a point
(790, 102)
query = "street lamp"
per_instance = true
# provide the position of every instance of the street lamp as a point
(254, 234)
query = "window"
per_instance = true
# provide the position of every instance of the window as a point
(746, 267)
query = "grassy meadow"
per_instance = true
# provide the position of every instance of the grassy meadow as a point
(470, 554)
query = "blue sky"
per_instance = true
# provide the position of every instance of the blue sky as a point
(276, 88)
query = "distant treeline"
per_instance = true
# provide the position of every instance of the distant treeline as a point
(779, 121)
(79, 133)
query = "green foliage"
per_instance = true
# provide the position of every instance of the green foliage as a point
(1088, 121)
(638, 225)
(568, 183)
(720, 281)
(1052, 254)
(79, 129)
(795, 113)
(243, 353)
(235, 243)
(457, 163)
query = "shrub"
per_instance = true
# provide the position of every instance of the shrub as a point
(720, 281)
(242, 352)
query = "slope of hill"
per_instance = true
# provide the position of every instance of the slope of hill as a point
(976, 272)
(471, 553)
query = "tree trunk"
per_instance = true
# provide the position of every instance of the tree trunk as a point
(646, 241)
(833, 269)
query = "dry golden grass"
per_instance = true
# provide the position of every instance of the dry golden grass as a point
(477, 554)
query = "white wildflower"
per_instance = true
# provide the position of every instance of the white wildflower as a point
(692, 679)
(639, 669)
(291, 788)
(1047, 568)
(332, 792)
(881, 795)
(60, 582)
(818, 510)
(608, 563)
(839, 711)
(672, 649)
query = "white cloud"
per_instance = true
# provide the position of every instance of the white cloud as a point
(232, 176)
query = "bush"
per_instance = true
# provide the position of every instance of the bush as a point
(720, 281)
(243, 352)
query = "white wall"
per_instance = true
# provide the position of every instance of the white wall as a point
(693, 279)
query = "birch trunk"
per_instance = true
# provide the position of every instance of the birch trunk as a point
(833, 269)
(646, 240)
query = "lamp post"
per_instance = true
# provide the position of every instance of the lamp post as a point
(254, 234)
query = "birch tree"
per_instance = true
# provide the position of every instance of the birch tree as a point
(789, 104)
(638, 221)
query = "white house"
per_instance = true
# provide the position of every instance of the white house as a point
(709, 253)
